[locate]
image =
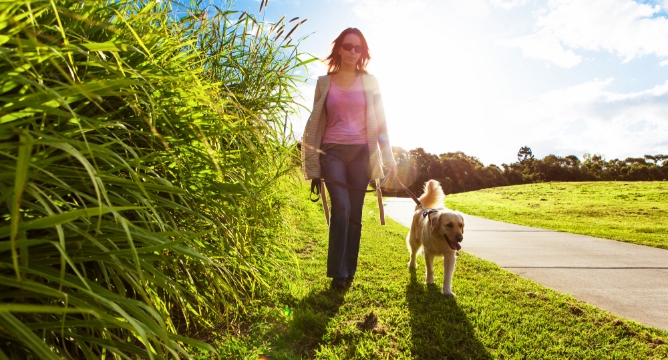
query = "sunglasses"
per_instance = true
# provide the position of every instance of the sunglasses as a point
(349, 46)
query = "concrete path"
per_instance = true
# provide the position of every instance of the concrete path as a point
(628, 280)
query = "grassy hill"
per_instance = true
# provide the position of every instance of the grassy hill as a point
(633, 212)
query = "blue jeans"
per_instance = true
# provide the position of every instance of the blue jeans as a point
(348, 164)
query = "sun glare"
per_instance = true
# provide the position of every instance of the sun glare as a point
(487, 77)
(435, 81)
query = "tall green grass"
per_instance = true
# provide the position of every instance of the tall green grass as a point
(139, 145)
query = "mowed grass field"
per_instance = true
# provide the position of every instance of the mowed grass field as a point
(389, 313)
(634, 212)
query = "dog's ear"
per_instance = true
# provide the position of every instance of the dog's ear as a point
(463, 223)
(435, 221)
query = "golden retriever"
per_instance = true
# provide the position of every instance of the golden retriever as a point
(438, 232)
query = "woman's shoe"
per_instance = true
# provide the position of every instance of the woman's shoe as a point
(349, 281)
(339, 283)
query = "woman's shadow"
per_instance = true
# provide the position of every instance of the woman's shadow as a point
(440, 329)
(310, 318)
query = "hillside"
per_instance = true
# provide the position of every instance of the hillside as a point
(633, 212)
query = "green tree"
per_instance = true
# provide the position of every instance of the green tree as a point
(596, 166)
(427, 167)
(524, 153)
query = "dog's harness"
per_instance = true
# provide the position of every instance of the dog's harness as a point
(425, 213)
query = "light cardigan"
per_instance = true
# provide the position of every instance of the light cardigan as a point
(380, 151)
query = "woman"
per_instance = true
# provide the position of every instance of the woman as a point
(345, 142)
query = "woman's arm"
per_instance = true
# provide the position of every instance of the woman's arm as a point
(383, 136)
(318, 93)
(310, 155)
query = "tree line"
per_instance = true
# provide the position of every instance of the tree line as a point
(459, 172)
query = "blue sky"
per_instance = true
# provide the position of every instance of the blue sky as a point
(486, 77)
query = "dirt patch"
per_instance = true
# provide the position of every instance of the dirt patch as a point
(576, 310)
(370, 323)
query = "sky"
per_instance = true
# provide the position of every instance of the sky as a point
(486, 77)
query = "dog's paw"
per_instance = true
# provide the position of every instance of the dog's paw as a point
(412, 265)
(449, 293)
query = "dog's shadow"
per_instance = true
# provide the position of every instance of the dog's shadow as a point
(440, 329)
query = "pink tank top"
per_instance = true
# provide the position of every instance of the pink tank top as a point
(346, 114)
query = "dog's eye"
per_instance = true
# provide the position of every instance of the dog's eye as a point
(449, 225)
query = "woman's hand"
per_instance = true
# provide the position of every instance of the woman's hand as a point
(392, 170)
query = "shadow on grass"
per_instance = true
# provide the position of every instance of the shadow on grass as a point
(310, 317)
(440, 329)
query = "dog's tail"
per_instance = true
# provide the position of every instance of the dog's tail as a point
(433, 195)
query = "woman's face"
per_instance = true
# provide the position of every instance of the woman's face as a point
(350, 57)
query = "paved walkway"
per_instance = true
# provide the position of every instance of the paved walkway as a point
(628, 280)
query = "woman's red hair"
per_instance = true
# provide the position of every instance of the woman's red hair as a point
(334, 59)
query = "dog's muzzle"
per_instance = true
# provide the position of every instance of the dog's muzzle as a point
(454, 245)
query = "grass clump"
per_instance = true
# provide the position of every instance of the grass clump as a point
(633, 212)
(389, 313)
(140, 142)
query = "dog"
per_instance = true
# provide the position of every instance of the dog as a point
(437, 232)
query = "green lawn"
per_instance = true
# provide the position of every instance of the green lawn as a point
(390, 314)
(634, 212)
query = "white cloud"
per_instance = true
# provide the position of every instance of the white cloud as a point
(543, 45)
(623, 27)
(585, 118)
(418, 11)
(663, 4)
(508, 4)
(472, 8)
(387, 10)
(589, 118)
